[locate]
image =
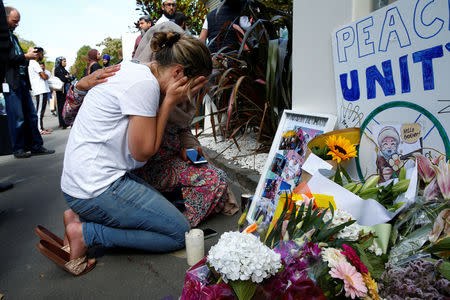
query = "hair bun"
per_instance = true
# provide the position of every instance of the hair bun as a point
(163, 40)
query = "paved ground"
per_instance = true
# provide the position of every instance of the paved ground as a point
(120, 273)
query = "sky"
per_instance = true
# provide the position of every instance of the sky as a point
(63, 27)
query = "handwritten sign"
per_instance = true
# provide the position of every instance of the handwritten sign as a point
(410, 133)
(393, 66)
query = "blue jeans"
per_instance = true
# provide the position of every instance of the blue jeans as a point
(22, 119)
(131, 214)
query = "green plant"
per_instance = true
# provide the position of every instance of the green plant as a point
(252, 83)
(303, 220)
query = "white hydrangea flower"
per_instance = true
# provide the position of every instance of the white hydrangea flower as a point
(332, 256)
(351, 232)
(242, 256)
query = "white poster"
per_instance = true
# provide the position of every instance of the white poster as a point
(393, 66)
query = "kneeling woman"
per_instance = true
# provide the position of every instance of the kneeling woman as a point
(118, 128)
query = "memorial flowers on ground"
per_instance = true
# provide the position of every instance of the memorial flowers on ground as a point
(315, 249)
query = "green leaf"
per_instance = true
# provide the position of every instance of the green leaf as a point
(291, 224)
(326, 234)
(375, 264)
(442, 245)
(337, 176)
(244, 290)
(410, 244)
(275, 233)
(366, 243)
(444, 269)
(349, 179)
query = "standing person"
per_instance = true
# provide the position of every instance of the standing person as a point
(145, 22)
(106, 60)
(93, 65)
(180, 20)
(169, 8)
(229, 12)
(5, 45)
(22, 118)
(65, 77)
(119, 126)
(40, 90)
(49, 94)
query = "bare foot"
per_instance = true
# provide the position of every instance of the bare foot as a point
(69, 217)
(74, 232)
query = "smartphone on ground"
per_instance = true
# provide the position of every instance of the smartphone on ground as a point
(195, 157)
(209, 233)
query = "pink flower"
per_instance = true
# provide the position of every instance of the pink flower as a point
(431, 191)
(353, 281)
(443, 178)
(425, 168)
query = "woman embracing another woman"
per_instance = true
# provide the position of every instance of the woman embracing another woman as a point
(118, 128)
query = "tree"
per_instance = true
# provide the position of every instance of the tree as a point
(195, 11)
(25, 44)
(80, 63)
(49, 65)
(284, 5)
(113, 47)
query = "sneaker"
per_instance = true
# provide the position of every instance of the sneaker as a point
(22, 154)
(42, 151)
(5, 186)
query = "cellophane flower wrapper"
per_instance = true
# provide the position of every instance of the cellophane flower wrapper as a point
(199, 286)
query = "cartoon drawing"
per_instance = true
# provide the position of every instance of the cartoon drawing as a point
(389, 162)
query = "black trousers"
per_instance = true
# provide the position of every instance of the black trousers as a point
(61, 99)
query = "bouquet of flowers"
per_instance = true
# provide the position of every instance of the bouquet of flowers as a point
(242, 261)
(313, 249)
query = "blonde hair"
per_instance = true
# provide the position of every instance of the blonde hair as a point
(172, 48)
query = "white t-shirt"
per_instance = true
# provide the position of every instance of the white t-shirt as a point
(47, 72)
(164, 19)
(37, 83)
(97, 151)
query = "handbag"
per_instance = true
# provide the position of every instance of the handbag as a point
(71, 106)
(55, 84)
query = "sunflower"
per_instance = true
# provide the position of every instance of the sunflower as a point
(340, 148)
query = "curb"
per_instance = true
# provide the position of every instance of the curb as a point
(247, 179)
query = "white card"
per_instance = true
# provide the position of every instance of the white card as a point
(314, 163)
(5, 87)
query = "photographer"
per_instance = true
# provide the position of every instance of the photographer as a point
(22, 117)
(66, 78)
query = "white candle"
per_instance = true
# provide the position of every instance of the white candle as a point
(195, 247)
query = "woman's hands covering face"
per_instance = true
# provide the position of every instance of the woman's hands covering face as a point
(178, 88)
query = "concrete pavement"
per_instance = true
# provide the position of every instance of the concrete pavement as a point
(119, 274)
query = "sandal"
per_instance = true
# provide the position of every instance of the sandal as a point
(46, 235)
(76, 267)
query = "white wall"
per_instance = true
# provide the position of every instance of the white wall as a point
(313, 87)
(128, 40)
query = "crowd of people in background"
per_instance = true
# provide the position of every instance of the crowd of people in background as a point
(153, 163)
